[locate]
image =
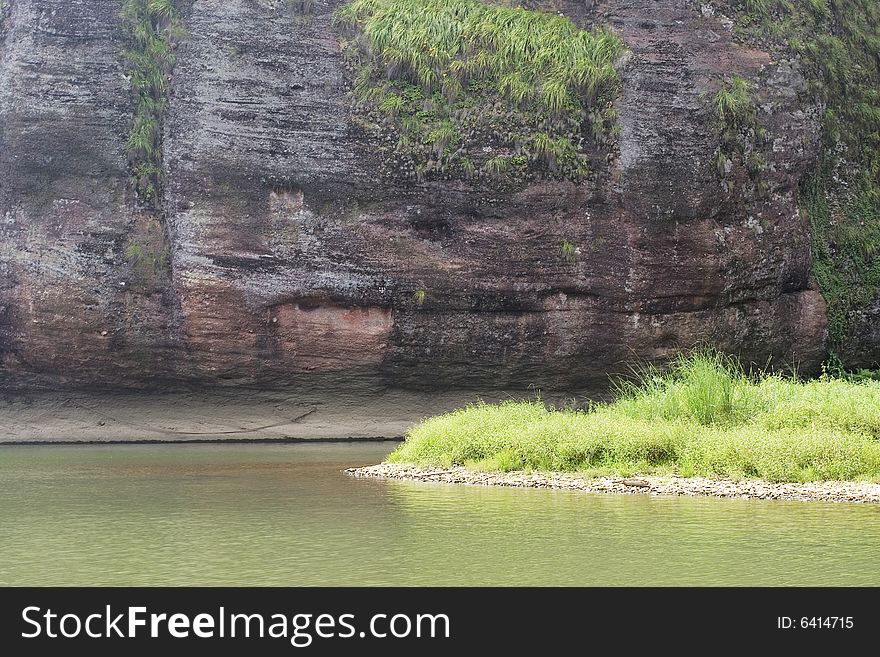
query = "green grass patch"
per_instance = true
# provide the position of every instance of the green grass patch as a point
(733, 104)
(464, 81)
(703, 416)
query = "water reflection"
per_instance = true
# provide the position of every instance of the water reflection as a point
(286, 515)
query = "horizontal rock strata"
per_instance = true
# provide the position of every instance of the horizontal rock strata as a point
(289, 254)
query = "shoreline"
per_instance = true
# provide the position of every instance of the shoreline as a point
(820, 491)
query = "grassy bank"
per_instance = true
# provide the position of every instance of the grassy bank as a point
(705, 416)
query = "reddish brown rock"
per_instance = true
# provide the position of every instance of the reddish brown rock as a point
(290, 255)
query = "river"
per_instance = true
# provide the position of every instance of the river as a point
(270, 514)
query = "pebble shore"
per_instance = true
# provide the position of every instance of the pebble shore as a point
(825, 491)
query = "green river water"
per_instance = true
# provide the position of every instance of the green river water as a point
(260, 514)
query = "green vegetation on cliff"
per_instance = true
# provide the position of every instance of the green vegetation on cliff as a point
(742, 137)
(472, 88)
(154, 30)
(704, 416)
(838, 45)
(844, 212)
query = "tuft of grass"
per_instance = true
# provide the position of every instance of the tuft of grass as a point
(703, 416)
(558, 154)
(704, 386)
(420, 296)
(569, 251)
(498, 166)
(733, 103)
(741, 135)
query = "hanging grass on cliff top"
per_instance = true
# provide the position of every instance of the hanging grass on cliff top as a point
(704, 416)
(442, 44)
(476, 90)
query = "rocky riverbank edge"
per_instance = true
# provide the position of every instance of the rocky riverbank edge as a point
(824, 491)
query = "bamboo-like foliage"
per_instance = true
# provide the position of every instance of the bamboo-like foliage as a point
(154, 30)
(441, 45)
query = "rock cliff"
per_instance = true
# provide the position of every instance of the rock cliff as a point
(283, 251)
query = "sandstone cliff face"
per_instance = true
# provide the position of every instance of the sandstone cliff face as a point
(67, 308)
(293, 256)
